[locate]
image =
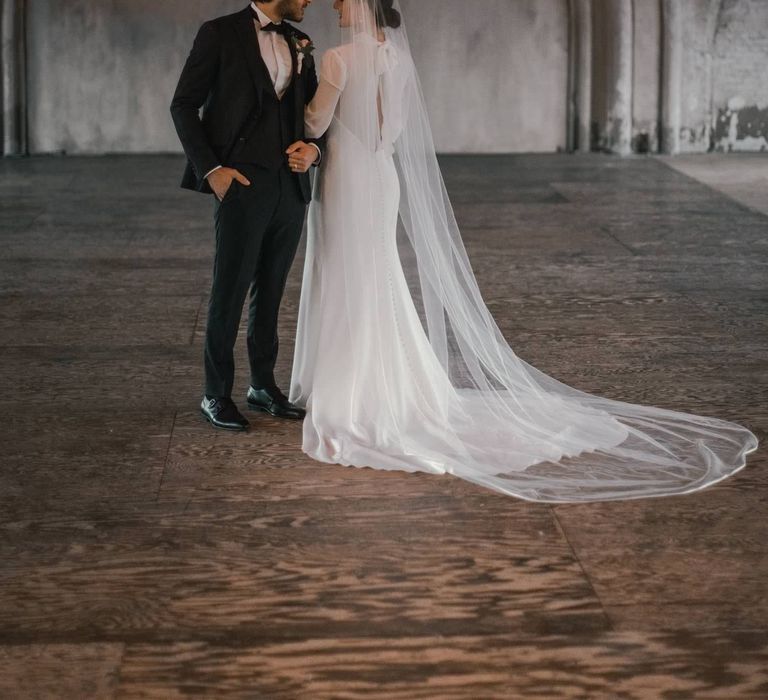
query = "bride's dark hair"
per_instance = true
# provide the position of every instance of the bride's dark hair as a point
(386, 15)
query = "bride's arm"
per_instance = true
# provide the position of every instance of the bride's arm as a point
(319, 112)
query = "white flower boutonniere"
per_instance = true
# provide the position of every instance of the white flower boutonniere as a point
(304, 49)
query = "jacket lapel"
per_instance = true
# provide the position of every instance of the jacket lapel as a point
(246, 32)
(298, 84)
(294, 56)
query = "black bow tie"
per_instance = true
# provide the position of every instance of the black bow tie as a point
(282, 28)
(279, 28)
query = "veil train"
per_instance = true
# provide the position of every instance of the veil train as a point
(398, 359)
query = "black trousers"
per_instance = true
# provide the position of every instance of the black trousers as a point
(258, 229)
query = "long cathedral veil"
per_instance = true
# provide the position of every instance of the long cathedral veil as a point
(502, 423)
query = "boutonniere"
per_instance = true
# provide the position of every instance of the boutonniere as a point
(304, 49)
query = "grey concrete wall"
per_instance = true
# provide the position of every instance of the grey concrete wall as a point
(497, 74)
(646, 79)
(613, 96)
(581, 63)
(13, 101)
(740, 76)
(699, 20)
(724, 90)
(101, 72)
(494, 72)
(699, 71)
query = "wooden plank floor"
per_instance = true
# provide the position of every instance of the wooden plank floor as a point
(144, 555)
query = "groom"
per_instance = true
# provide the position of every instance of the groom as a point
(252, 73)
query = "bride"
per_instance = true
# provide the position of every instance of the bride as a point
(399, 362)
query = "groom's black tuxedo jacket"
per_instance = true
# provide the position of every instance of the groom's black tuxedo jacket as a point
(226, 76)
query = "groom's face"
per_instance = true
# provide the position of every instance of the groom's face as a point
(293, 10)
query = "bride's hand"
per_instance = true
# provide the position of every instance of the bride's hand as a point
(301, 156)
(221, 180)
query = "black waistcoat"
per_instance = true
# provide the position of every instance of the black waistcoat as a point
(266, 138)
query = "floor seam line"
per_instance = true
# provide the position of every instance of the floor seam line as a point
(197, 319)
(167, 455)
(587, 577)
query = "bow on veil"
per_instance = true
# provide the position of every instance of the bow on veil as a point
(386, 59)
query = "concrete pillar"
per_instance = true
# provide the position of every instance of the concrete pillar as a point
(671, 73)
(618, 128)
(580, 76)
(13, 75)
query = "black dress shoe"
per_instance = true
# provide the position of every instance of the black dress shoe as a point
(274, 402)
(222, 413)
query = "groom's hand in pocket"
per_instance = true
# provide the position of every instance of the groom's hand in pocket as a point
(221, 180)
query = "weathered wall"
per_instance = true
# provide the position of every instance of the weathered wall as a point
(613, 68)
(494, 72)
(740, 76)
(94, 76)
(723, 86)
(13, 102)
(646, 77)
(698, 71)
(699, 21)
(101, 72)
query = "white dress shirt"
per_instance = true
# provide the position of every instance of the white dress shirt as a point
(275, 52)
(277, 57)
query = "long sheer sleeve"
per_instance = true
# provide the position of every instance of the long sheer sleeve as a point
(319, 112)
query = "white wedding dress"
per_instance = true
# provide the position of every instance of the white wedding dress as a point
(398, 361)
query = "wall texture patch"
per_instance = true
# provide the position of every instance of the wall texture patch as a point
(740, 76)
(741, 128)
(499, 76)
(102, 72)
